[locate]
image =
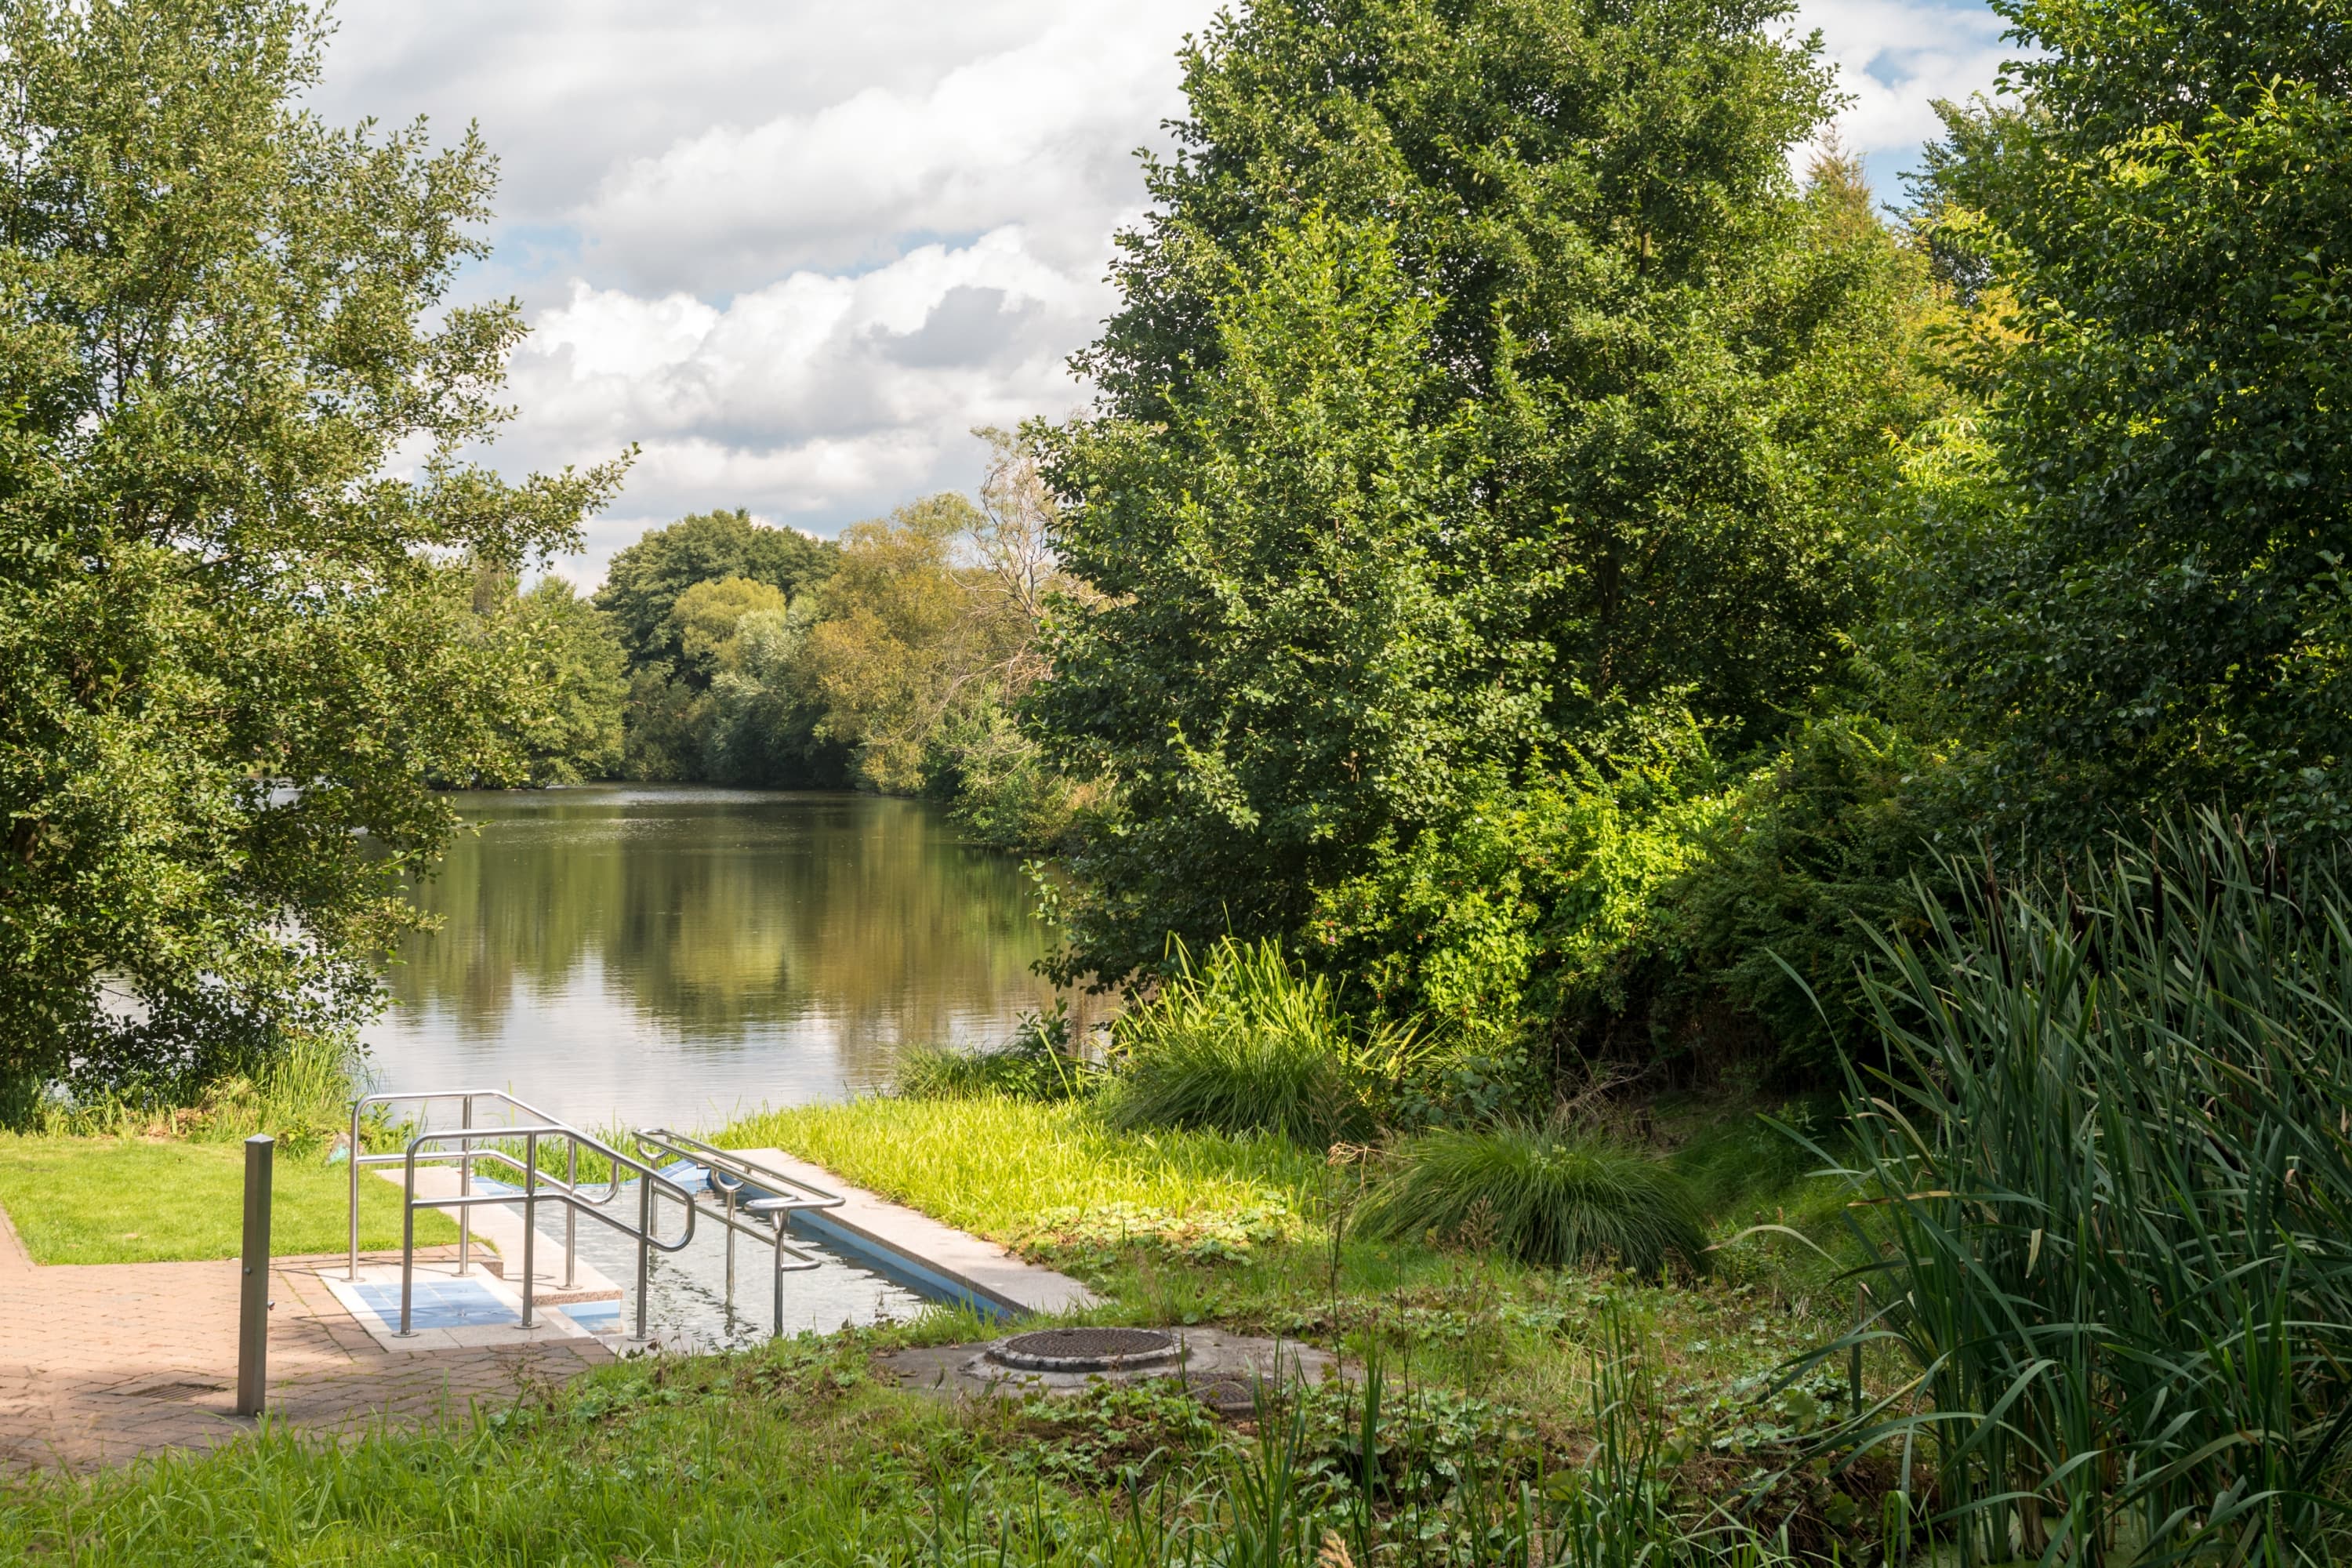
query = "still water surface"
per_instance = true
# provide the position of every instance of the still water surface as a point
(682, 955)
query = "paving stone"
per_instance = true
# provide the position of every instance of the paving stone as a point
(100, 1364)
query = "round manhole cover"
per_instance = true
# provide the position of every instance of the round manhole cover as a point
(1083, 1350)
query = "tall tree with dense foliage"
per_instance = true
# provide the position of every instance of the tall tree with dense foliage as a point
(643, 584)
(2137, 585)
(676, 729)
(1486, 399)
(232, 651)
(572, 664)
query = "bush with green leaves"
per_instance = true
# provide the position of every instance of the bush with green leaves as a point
(1546, 1193)
(1242, 1042)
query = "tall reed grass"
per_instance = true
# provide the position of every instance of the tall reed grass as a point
(1242, 1042)
(1547, 1194)
(2106, 1164)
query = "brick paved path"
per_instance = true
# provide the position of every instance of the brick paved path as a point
(102, 1362)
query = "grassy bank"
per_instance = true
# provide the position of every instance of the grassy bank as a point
(793, 1454)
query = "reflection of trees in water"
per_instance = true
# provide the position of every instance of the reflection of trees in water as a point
(716, 913)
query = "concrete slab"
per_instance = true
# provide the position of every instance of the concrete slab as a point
(920, 1252)
(448, 1311)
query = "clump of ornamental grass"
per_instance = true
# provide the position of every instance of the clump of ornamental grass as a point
(1039, 1063)
(1549, 1194)
(1242, 1042)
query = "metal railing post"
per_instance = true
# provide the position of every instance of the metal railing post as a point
(253, 1298)
(352, 1153)
(570, 1210)
(530, 1217)
(730, 1251)
(776, 1274)
(408, 1240)
(466, 1190)
(644, 1247)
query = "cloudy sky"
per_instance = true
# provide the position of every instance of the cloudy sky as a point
(797, 248)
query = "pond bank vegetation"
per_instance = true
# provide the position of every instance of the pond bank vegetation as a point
(1565, 624)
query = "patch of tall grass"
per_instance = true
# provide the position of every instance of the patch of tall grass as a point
(1547, 1194)
(303, 1096)
(1037, 1063)
(2107, 1165)
(1242, 1042)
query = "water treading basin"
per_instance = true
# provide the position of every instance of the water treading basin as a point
(688, 1293)
(629, 955)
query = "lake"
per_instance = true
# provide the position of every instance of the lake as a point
(681, 955)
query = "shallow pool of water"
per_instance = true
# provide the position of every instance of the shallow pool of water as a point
(688, 1289)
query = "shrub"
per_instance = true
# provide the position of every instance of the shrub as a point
(1547, 1194)
(1244, 1043)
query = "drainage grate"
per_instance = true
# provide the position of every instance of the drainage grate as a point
(1083, 1350)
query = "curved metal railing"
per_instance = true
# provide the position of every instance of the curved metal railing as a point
(469, 1144)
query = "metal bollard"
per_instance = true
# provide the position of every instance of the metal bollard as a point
(253, 1301)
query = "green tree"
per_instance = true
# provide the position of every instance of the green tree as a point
(1484, 389)
(905, 635)
(643, 584)
(229, 657)
(2135, 590)
(565, 722)
(702, 622)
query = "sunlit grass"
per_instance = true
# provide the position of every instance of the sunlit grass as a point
(997, 1166)
(105, 1200)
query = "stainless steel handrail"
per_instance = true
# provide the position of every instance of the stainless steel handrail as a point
(575, 1198)
(728, 1175)
(644, 1233)
(465, 1161)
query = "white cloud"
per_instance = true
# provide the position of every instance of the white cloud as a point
(796, 250)
(816, 397)
(1894, 58)
(1041, 134)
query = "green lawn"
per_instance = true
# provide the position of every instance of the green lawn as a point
(104, 1200)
